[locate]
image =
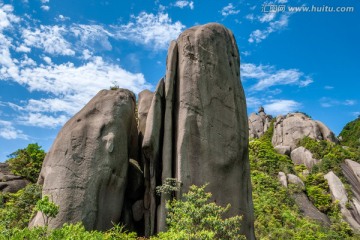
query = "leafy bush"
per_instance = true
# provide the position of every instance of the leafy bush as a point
(195, 218)
(47, 208)
(68, 231)
(18, 207)
(351, 134)
(27, 162)
(264, 158)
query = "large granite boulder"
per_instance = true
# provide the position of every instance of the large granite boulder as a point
(259, 123)
(348, 208)
(85, 171)
(205, 126)
(289, 129)
(303, 156)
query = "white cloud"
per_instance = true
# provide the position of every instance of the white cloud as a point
(70, 88)
(259, 35)
(182, 4)
(155, 31)
(47, 60)
(268, 76)
(94, 36)
(42, 120)
(229, 10)
(281, 106)
(7, 131)
(44, 1)
(62, 18)
(329, 102)
(45, 7)
(267, 17)
(48, 38)
(23, 48)
(250, 17)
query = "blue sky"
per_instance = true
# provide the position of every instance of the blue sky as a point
(55, 55)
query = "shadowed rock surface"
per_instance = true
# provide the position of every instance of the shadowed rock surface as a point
(85, 171)
(205, 131)
(289, 129)
(10, 183)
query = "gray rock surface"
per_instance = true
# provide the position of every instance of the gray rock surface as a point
(259, 123)
(85, 171)
(309, 210)
(289, 129)
(338, 193)
(293, 179)
(205, 129)
(10, 183)
(282, 178)
(284, 150)
(301, 155)
(152, 150)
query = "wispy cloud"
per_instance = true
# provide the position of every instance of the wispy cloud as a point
(330, 102)
(229, 10)
(8, 131)
(49, 38)
(268, 76)
(183, 4)
(281, 106)
(155, 31)
(259, 35)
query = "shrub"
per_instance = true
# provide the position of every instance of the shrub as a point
(18, 207)
(27, 162)
(195, 217)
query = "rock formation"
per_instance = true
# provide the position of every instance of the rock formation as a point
(302, 201)
(85, 171)
(10, 183)
(203, 135)
(289, 129)
(259, 123)
(338, 193)
(303, 156)
(194, 128)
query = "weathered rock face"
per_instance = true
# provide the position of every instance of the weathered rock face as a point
(338, 193)
(205, 127)
(259, 123)
(85, 171)
(293, 127)
(301, 155)
(302, 201)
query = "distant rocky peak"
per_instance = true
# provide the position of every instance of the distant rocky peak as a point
(259, 123)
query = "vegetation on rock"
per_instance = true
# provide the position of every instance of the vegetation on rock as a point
(351, 134)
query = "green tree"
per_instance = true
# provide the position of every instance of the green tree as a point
(194, 217)
(27, 162)
(47, 208)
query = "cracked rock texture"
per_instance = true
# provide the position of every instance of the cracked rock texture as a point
(205, 125)
(85, 171)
